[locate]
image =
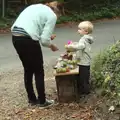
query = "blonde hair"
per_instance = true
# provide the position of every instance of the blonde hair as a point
(55, 7)
(87, 26)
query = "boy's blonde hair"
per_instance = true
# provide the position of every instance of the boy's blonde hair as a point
(87, 26)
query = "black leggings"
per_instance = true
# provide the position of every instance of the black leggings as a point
(30, 54)
(83, 81)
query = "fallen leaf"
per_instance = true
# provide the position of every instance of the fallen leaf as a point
(112, 108)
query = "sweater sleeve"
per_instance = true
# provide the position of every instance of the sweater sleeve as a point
(78, 46)
(48, 30)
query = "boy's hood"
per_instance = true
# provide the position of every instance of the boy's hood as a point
(89, 38)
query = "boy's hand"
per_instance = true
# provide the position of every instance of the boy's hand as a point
(53, 37)
(66, 46)
(70, 48)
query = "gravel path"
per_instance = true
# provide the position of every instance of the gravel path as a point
(12, 91)
(14, 106)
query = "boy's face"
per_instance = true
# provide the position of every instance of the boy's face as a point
(82, 31)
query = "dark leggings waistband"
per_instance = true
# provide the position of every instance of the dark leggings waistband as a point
(23, 38)
(19, 30)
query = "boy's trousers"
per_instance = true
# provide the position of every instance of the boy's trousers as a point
(30, 54)
(83, 80)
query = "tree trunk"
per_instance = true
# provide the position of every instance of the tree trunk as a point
(3, 4)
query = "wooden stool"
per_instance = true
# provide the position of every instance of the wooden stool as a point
(67, 86)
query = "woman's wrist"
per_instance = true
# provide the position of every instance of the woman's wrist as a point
(50, 46)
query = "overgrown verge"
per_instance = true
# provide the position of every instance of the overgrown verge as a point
(106, 73)
(92, 14)
(5, 24)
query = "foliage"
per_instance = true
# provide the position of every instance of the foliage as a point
(106, 71)
(50, 0)
(104, 12)
(5, 22)
(11, 13)
(93, 12)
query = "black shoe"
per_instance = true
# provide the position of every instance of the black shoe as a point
(48, 103)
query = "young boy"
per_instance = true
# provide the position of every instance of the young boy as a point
(83, 49)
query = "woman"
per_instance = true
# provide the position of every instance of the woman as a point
(35, 24)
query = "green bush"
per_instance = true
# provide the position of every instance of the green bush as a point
(5, 22)
(104, 12)
(94, 12)
(11, 13)
(106, 71)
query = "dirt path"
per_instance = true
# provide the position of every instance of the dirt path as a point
(12, 91)
(14, 106)
(13, 100)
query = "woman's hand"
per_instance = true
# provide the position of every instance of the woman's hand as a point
(53, 37)
(53, 48)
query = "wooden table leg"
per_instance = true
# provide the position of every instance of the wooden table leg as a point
(67, 88)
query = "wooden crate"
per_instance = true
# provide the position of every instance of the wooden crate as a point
(67, 86)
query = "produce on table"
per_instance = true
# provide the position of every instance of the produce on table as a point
(73, 62)
(67, 55)
(62, 70)
(65, 66)
(67, 61)
(70, 48)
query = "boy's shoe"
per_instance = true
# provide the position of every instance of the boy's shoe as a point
(48, 103)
